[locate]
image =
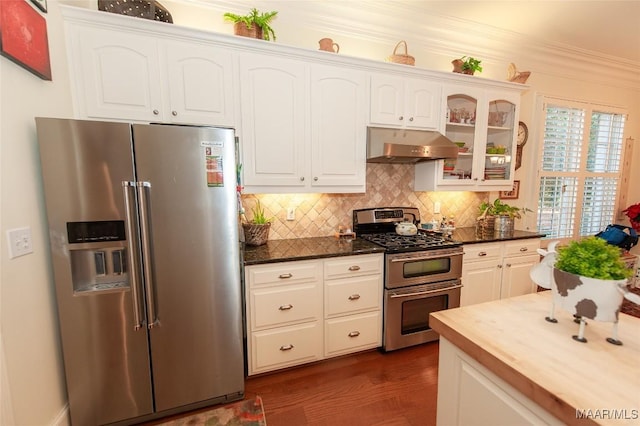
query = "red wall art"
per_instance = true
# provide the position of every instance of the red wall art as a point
(23, 37)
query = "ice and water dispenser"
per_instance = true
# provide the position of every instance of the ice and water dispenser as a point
(98, 256)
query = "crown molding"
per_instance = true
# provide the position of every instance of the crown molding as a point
(385, 22)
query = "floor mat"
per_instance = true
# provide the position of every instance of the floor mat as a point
(249, 412)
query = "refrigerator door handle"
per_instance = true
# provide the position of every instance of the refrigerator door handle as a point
(152, 317)
(134, 276)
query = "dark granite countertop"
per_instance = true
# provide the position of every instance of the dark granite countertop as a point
(307, 248)
(468, 236)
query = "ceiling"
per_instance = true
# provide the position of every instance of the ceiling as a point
(607, 27)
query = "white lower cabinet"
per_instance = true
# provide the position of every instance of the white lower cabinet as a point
(470, 394)
(492, 271)
(304, 311)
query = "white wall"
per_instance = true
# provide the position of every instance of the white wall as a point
(30, 347)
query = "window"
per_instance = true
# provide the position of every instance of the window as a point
(580, 168)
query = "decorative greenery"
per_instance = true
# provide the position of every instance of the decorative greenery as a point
(260, 19)
(259, 217)
(498, 208)
(592, 257)
(471, 64)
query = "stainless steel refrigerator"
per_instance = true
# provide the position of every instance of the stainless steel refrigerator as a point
(143, 227)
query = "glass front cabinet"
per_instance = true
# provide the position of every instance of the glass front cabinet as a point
(483, 123)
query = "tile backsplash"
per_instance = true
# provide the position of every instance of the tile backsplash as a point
(388, 185)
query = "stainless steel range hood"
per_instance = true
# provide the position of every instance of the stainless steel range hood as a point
(386, 145)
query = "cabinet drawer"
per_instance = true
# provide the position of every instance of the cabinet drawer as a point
(474, 252)
(353, 265)
(273, 306)
(352, 333)
(351, 295)
(284, 273)
(282, 347)
(521, 247)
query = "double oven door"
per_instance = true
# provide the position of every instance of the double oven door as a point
(417, 284)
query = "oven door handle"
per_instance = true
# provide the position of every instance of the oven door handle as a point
(412, 259)
(422, 293)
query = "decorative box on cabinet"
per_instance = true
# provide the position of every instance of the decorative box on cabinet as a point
(406, 102)
(492, 271)
(125, 75)
(486, 122)
(281, 153)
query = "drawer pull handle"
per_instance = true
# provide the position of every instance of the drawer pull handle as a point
(524, 249)
(354, 334)
(285, 276)
(354, 297)
(286, 348)
(482, 253)
(286, 307)
(354, 268)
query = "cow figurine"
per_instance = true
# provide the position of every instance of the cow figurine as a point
(581, 296)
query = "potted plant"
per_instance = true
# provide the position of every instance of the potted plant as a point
(497, 219)
(466, 66)
(256, 231)
(590, 281)
(256, 24)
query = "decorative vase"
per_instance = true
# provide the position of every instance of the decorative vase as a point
(241, 29)
(503, 226)
(256, 234)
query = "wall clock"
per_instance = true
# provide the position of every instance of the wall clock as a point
(523, 135)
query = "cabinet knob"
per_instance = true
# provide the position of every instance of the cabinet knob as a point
(524, 249)
(354, 334)
(286, 307)
(411, 119)
(174, 113)
(286, 347)
(315, 178)
(482, 253)
(301, 178)
(156, 112)
(508, 265)
(475, 178)
(401, 118)
(500, 266)
(354, 297)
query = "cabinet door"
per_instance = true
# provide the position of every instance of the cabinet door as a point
(200, 84)
(515, 278)
(387, 100)
(422, 104)
(274, 110)
(117, 74)
(480, 282)
(338, 128)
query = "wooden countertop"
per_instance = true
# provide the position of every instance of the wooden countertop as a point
(512, 339)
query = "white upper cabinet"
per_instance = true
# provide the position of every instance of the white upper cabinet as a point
(303, 126)
(130, 76)
(406, 102)
(485, 122)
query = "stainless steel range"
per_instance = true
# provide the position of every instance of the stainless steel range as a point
(422, 273)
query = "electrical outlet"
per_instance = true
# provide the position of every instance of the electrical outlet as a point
(291, 213)
(19, 241)
(436, 207)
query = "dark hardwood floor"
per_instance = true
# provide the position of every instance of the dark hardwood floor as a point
(369, 388)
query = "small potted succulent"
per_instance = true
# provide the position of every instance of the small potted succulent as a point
(256, 24)
(256, 230)
(466, 66)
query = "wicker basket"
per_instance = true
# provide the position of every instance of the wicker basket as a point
(256, 235)
(402, 58)
(485, 227)
(241, 29)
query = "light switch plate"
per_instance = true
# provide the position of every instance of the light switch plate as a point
(19, 240)
(291, 213)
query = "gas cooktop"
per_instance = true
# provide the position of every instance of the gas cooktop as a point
(421, 241)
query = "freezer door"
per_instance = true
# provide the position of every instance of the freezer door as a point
(187, 178)
(106, 359)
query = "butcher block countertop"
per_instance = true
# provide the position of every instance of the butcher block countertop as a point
(512, 339)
